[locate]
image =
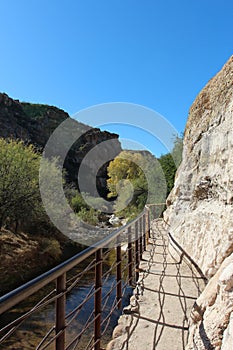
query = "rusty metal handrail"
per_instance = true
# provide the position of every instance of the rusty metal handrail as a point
(14, 297)
(141, 226)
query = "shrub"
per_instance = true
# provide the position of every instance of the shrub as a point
(51, 248)
(78, 203)
(89, 216)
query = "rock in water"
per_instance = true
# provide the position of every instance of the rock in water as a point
(114, 220)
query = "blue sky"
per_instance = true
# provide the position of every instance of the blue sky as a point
(75, 54)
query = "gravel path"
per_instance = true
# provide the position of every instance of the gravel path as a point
(158, 315)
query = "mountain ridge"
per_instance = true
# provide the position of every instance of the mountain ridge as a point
(34, 124)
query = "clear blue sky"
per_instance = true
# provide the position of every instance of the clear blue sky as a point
(75, 54)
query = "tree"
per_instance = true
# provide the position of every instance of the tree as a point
(143, 172)
(20, 198)
(171, 161)
(169, 169)
(178, 149)
(19, 188)
(124, 170)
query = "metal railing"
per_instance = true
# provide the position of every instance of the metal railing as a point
(113, 266)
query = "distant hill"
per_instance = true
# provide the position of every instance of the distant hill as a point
(34, 123)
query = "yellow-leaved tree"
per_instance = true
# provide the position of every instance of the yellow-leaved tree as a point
(135, 178)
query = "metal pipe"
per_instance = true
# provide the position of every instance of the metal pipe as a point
(60, 312)
(148, 222)
(130, 258)
(98, 299)
(140, 239)
(119, 278)
(144, 231)
(136, 252)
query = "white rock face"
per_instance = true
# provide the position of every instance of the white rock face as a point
(200, 208)
(227, 342)
(210, 325)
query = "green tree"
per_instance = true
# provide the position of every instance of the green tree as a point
(169, 169)
(19, 188)
(20, 198)
(178, 149)
(171, 161)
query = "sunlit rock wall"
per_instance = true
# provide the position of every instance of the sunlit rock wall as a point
(200, 209)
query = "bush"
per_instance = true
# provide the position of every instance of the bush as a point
(89, 216)
(78, 203)
(51, 248)
(19, 185)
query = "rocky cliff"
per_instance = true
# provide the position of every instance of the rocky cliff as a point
(200, 209)
(34, 123)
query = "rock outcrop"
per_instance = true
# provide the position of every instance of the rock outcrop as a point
(34, 123)
(200, 209)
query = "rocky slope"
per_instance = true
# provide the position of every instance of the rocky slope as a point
(34, 123)
(200, 209)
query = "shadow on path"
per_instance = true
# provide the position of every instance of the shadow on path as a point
(168, 289)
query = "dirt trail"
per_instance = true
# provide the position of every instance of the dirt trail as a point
(158, 315)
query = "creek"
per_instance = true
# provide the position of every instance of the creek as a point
(32, 330)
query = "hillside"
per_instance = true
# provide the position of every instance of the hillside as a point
(34, 123)
(21, 251)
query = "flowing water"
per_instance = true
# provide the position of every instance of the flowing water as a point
(32, 330)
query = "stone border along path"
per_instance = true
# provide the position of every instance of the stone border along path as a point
(157, 317)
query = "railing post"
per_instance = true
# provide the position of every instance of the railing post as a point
(136, 252)
(98, 298)
(119, 277)
(144, 231)
(140, 238)
(60, 312)
(130, 257)
(148, 222)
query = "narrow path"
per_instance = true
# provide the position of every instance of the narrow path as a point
(158, 317)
